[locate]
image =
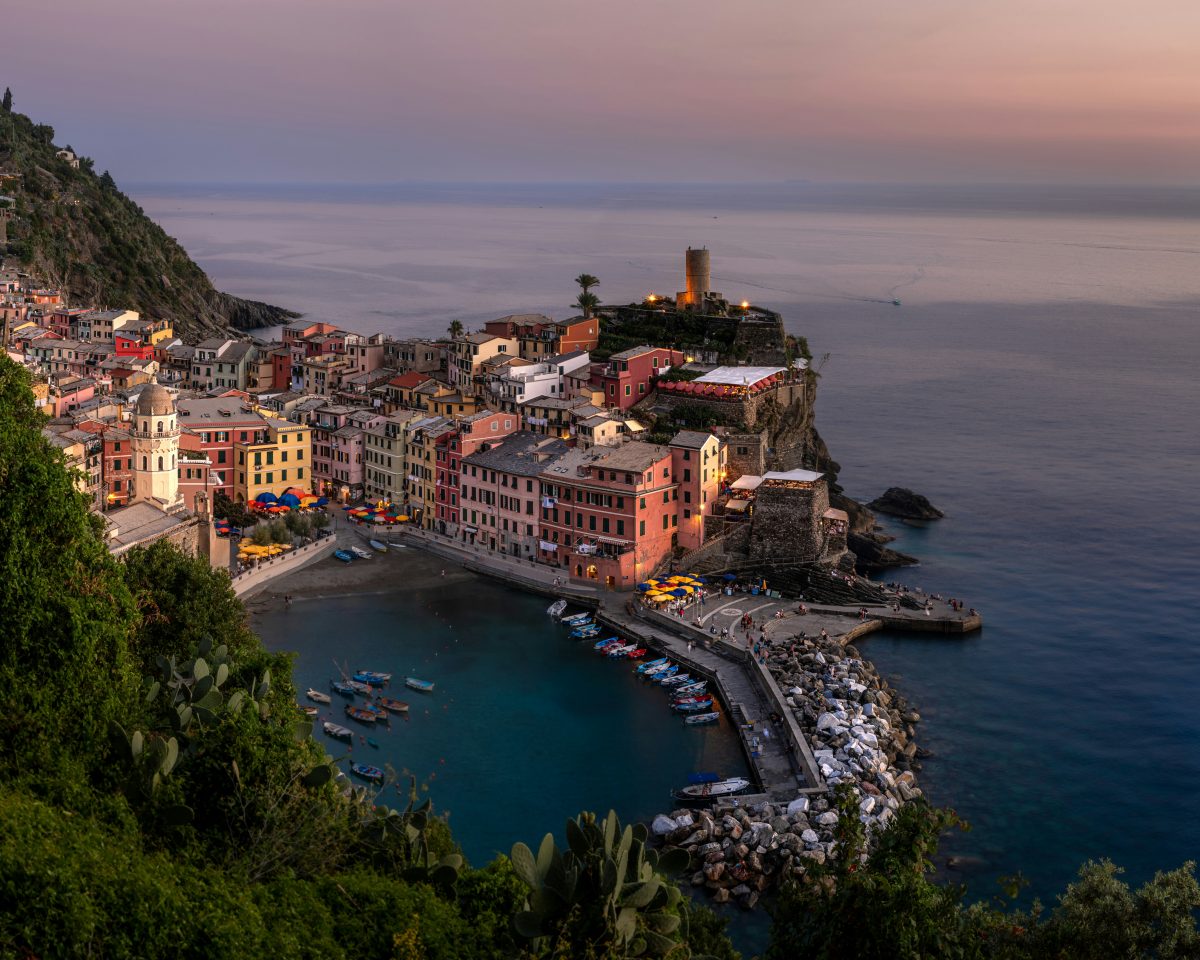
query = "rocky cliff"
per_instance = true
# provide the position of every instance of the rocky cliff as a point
(78, 232)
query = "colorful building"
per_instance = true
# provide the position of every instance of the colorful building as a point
(698, 465)
(629, 376)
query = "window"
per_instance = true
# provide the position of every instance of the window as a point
(666, 496)
(117, 447)
(160, 463)
(687, 475)
(299, 473)
(674, 519)
(642, 528)
(687, 514)
(687, 496)
(641, 388)
(628, 390)
(604, 525)
(592, 522)
(666, 521)
(687, 454)
(643, 503)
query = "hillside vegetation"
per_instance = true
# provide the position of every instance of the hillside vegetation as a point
(77, 231)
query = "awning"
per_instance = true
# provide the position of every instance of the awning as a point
(835, 514)
(546, 545)
(737, 506)
(470, 529)
(746, 482)
(617, 541)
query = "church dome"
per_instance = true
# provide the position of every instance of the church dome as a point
(155, 401)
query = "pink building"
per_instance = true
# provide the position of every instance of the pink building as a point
(629, 375)
(338, 443)
(469, 434)
(220, 422)
(698, 466)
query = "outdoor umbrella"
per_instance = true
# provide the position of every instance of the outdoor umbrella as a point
(265, 497)
(679, 592)
(729, 576)
(290, 500)
(321, 501)
(645, 586)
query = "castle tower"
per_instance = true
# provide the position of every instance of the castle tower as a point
(155, 443)
(698, 279)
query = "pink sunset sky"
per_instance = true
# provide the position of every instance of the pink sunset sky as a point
(381, 90)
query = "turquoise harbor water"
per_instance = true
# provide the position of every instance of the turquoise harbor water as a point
(1038, 384)
(524, 728)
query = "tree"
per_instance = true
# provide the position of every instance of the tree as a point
(320, 520)
(587, 302)
(455, 329)
(586, 281)
(6, 105)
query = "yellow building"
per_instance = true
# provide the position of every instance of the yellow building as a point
(283, 459)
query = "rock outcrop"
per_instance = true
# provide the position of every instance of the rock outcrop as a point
(903, 503)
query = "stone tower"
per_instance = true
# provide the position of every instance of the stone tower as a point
(697, 278)
(155, 443)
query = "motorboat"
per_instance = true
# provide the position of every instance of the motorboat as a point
(637, 653)
(367, 772)
(391, 705)
(425, 686)
(372, 743)
(660, 675)
(359, 714)
(337, 731)
(344, 555)
(665, 669)
(557, 608)
(372, 677)
(361, 553)
(698, 718)
(712, 790)
(358, 686)
(318, 696)
(650, 665)
(378, 545)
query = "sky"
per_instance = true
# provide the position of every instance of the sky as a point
(640, 90)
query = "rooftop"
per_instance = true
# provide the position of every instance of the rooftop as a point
(524, 453)
(137, 522)
(792, 476)
(739, 376)
(636, 352)
(632, 457)
(206, 410)
(693, 439)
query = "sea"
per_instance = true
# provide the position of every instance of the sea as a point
(1037, 381)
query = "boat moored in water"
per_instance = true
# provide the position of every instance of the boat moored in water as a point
(318, 696)
(584, 633)
(713, 789)
(698, 718)
(359, 714)
(651, 665)
(367, 772)
(620, 650)
(308, 709)
(701, 706)
(372, 677)
(343, 687)
(576, 619)
(379, 712)
(425, 686)
(337, 731)
(557, 608)
(391, 705)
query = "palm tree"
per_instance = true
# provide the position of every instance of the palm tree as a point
(455, 329)
(586, 281)
(587, 302)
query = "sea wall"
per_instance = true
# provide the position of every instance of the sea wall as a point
(264, 571)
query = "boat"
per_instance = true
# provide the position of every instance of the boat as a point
(343, 687)
(372, 743)
(675, 680)
(358, 686)
(379, 712)
(621, 650)
(391, 705)
(344, 555)
(318, 696)
(711, 790)
(337, 731)
(359, 714)
(602, 644)
(425, 686)
(576, 619)
(679, 701)
(367, 772)
(650, 665)
(557, 608)
(584, 633)
(692, 689)
(658, 676)
(703, 706)
(637, 654)
(698, 718)
(378, 545)
(361, 553)
(308, 709)
(373, 677)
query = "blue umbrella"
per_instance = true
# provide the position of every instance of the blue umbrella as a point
(699, 579)
(729, 576)
(265, 497)
(679, 592)
(645, 586)
(290, 500)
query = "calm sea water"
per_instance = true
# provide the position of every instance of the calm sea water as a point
(1038, 384)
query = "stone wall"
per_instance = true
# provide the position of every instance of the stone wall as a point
(788, 521)
(263, 572)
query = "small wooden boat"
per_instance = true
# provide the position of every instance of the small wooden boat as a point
(343, 687)
(620, 650)
(358, 686)
(391, 705)
(692, 689)
(308, 709)
(576, 619)
(372, 743)
(651, 665)
(359, 714)
(584, 633)
(380, 712)
(703, 706)
(361, 553)
(699, 718)
(378, 545)
(605, 644)
(680, 701)
(338, 732)
(367, 772)
(712, 790)
(373, 677)
(425, 686)
(557, 608)
(344, 555)
(659, 668)
(318, 696)
(660, 675)
(675, 680)
(637, 653)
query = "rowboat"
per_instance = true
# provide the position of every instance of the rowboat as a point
(557, 608)
(620, 650)
(675, 680)
(637, 654)
(373, 677)
(343, 687)
(650, 665)
(703, 706)
(378, 545)
(680, 701)
(425, 686)
(367, 772)
(361, 553)
(603, 644)
(692, 689)
(576, 619)
(308, 709)
(338, 732)
(379, 712)
(698, 718)
(372, 743)
(712, 790)
(656, 667)
(359, 714)
(344, 555)
(658, 676)
(392, 706)
(584, 633)
(318, 696)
